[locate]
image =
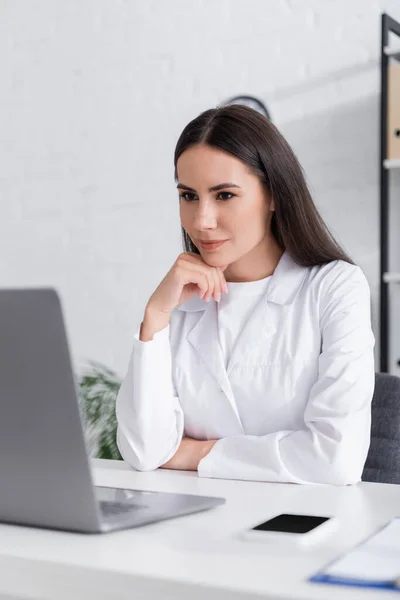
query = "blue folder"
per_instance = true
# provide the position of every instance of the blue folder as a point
(324, 576)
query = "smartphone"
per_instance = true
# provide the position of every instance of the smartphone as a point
(291, 527)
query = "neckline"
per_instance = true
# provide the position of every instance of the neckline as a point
(246, 288)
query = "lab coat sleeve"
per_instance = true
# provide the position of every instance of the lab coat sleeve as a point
(333, 445)
(149, 415)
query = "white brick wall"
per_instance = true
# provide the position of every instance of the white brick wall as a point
(94, 95)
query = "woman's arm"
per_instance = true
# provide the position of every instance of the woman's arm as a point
(149, 415)
(333, 445)
(189, 454)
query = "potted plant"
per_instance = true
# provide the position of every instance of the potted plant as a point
(98, 388)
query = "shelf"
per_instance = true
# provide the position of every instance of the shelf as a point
(393, 53)
(391, 277)
(393, 163)
(389, 159)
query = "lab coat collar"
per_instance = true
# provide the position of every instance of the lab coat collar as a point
(282, 289)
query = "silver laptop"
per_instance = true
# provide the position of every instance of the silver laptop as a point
(45, 476)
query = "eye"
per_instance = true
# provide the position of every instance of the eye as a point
(185, 196)
(226, 194)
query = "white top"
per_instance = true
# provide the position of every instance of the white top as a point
(199, 555)
(293, 402)
(234, 309)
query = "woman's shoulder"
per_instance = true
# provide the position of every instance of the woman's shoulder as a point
(337, 270)
(292, 279)
(337, 278)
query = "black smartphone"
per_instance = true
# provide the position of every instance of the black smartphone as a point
(291, 526)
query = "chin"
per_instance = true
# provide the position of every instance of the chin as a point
(215, 261)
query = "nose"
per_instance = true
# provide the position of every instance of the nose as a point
(205, 216)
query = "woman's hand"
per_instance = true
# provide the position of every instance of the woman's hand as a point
(188, 276)
(189, 454)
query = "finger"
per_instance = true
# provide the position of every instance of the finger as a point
(196, 278)
(211, 285)
(207, 273)
(203, 280)
(202, 283)
(192, 268)
(224, 287)
(217, 285)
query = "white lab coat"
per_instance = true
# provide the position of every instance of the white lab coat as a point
(294, 404)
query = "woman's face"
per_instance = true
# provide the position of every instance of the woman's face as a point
(239, 211)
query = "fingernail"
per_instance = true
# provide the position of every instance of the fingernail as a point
(226, 289)
(218, 296)
(207, 299)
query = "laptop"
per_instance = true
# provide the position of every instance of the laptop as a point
(45, 475)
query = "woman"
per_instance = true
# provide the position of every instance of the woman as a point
(254, 359)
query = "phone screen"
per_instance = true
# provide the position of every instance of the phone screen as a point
(286, 523)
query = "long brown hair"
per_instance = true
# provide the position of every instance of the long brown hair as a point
(245, 133)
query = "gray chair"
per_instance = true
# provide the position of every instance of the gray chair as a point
(383, 460)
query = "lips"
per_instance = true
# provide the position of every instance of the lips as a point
(211, 245)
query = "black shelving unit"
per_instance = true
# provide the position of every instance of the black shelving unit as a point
(389, 26)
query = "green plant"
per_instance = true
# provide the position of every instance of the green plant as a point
(98, 388)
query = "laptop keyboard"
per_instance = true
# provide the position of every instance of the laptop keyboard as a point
(110, 509)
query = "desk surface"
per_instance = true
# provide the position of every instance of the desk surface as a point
(201, 554)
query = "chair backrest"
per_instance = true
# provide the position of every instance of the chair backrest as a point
(383, 460)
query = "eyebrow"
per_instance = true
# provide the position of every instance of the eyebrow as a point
(214, 188)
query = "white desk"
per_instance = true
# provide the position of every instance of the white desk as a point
(195, 556)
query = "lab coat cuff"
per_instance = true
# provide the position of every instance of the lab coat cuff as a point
(159, 338)
(205, 466)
